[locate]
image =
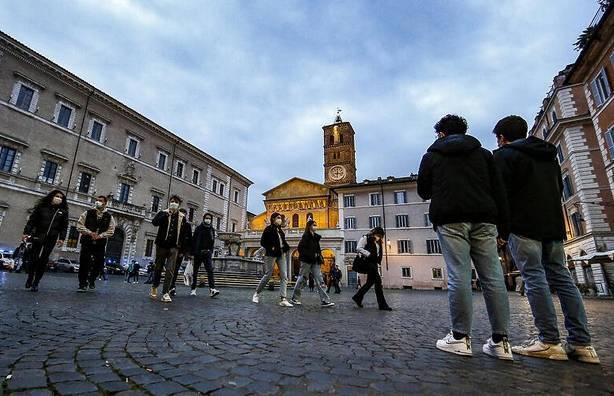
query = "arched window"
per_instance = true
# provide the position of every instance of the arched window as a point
(341, 138)
(332, 139)
(295, 220)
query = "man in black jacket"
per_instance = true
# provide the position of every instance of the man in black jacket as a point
(467, 204)
(172, 235)
(273, 240)
(96, 227)
(203, 242)
(184, 251)
(532, 177)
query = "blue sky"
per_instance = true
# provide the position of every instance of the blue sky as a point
(252, 82)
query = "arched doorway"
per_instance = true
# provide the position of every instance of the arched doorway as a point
(115, 246)
(329, 261)
(295, 264)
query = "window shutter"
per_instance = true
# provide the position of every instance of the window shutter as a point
(15, 93)
(56, 112)
(595, 92)
(606, 83)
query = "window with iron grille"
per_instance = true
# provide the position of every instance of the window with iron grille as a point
(433, 246)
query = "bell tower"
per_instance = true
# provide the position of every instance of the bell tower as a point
(339, 153)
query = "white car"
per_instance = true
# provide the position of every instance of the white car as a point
(6, 261)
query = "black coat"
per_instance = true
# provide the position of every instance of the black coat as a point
(270, 241)
(463, 183)
(93, 223)
(532, 178)
(47, 223)
(374, 258)
(184, 232)
(309, 248)
(203, 239)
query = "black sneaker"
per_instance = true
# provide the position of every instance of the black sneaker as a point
(81, 289)
(92, 286)
(386, 308)
(28, 284)
(327, 304)
(34, 288)
(172, 292)
(357, 301)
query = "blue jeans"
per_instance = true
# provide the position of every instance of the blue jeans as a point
(306, 268)
(542, 266)
(462, 243)
(282, 264)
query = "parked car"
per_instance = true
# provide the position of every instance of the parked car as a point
(65, 265)
(6, 261)
(114, 268)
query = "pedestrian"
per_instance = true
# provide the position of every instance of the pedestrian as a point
(183, 250)
(337, 275)
(96, 226)
(370, 246)
(129, 272)
(172, 232)
(468, 210)
(203, 242)
(310, 257)
(534, 186)
(312, 282)
(273, 239)
(150, 273)
(46, 228)
(136, 267)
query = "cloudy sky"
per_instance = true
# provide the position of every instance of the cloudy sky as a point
(252, 82)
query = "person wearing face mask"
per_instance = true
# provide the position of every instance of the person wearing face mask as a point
(370, 246)
(310, 256)
(273, 240)
(45, 229)
(96, 227)
(203, 241)
(172, 231)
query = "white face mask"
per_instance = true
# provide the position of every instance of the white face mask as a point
(98, 204)
(173, 206)
(278, 222)
(56, 200)
(207, 221)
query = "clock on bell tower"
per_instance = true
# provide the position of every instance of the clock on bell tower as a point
(339, 153)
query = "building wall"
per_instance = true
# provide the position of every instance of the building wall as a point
(36, 135)
(418, 232)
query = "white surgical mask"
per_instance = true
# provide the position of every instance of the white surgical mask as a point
(207, 221)
(278, 221)
(56, 200)
(173, 206)
(98, 204)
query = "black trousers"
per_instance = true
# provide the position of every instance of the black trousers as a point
(38, 261)
(373, 278)
(91, 262)
(177, 268)
(208, 261)
(166, 259)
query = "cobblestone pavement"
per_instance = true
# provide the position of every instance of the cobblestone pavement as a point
(117, 340)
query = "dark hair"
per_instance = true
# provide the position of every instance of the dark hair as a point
(377, 231)
(103, 197)
(451, 124)
(511, 128)
(46, 200)
(182, 210)
(309, 224)
(275, 215)
(176, 198)
(209, 215)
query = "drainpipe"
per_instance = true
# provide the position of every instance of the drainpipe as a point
(170, 179)
(74, 158)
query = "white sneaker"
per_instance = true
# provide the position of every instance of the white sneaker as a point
(285, 303)
(255, 298)
(213, 292)
(500, 350)
(193, 292)
(538, 349)
(460, 347)
(586, 354)
(166, 298)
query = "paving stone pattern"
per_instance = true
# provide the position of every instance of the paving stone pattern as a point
(117, 341)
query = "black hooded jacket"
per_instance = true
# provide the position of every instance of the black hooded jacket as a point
(532, 178)
(47, 222)
(463, 183)
(309, 250)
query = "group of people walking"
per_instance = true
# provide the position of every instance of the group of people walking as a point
(511, 198)
(479, 202)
